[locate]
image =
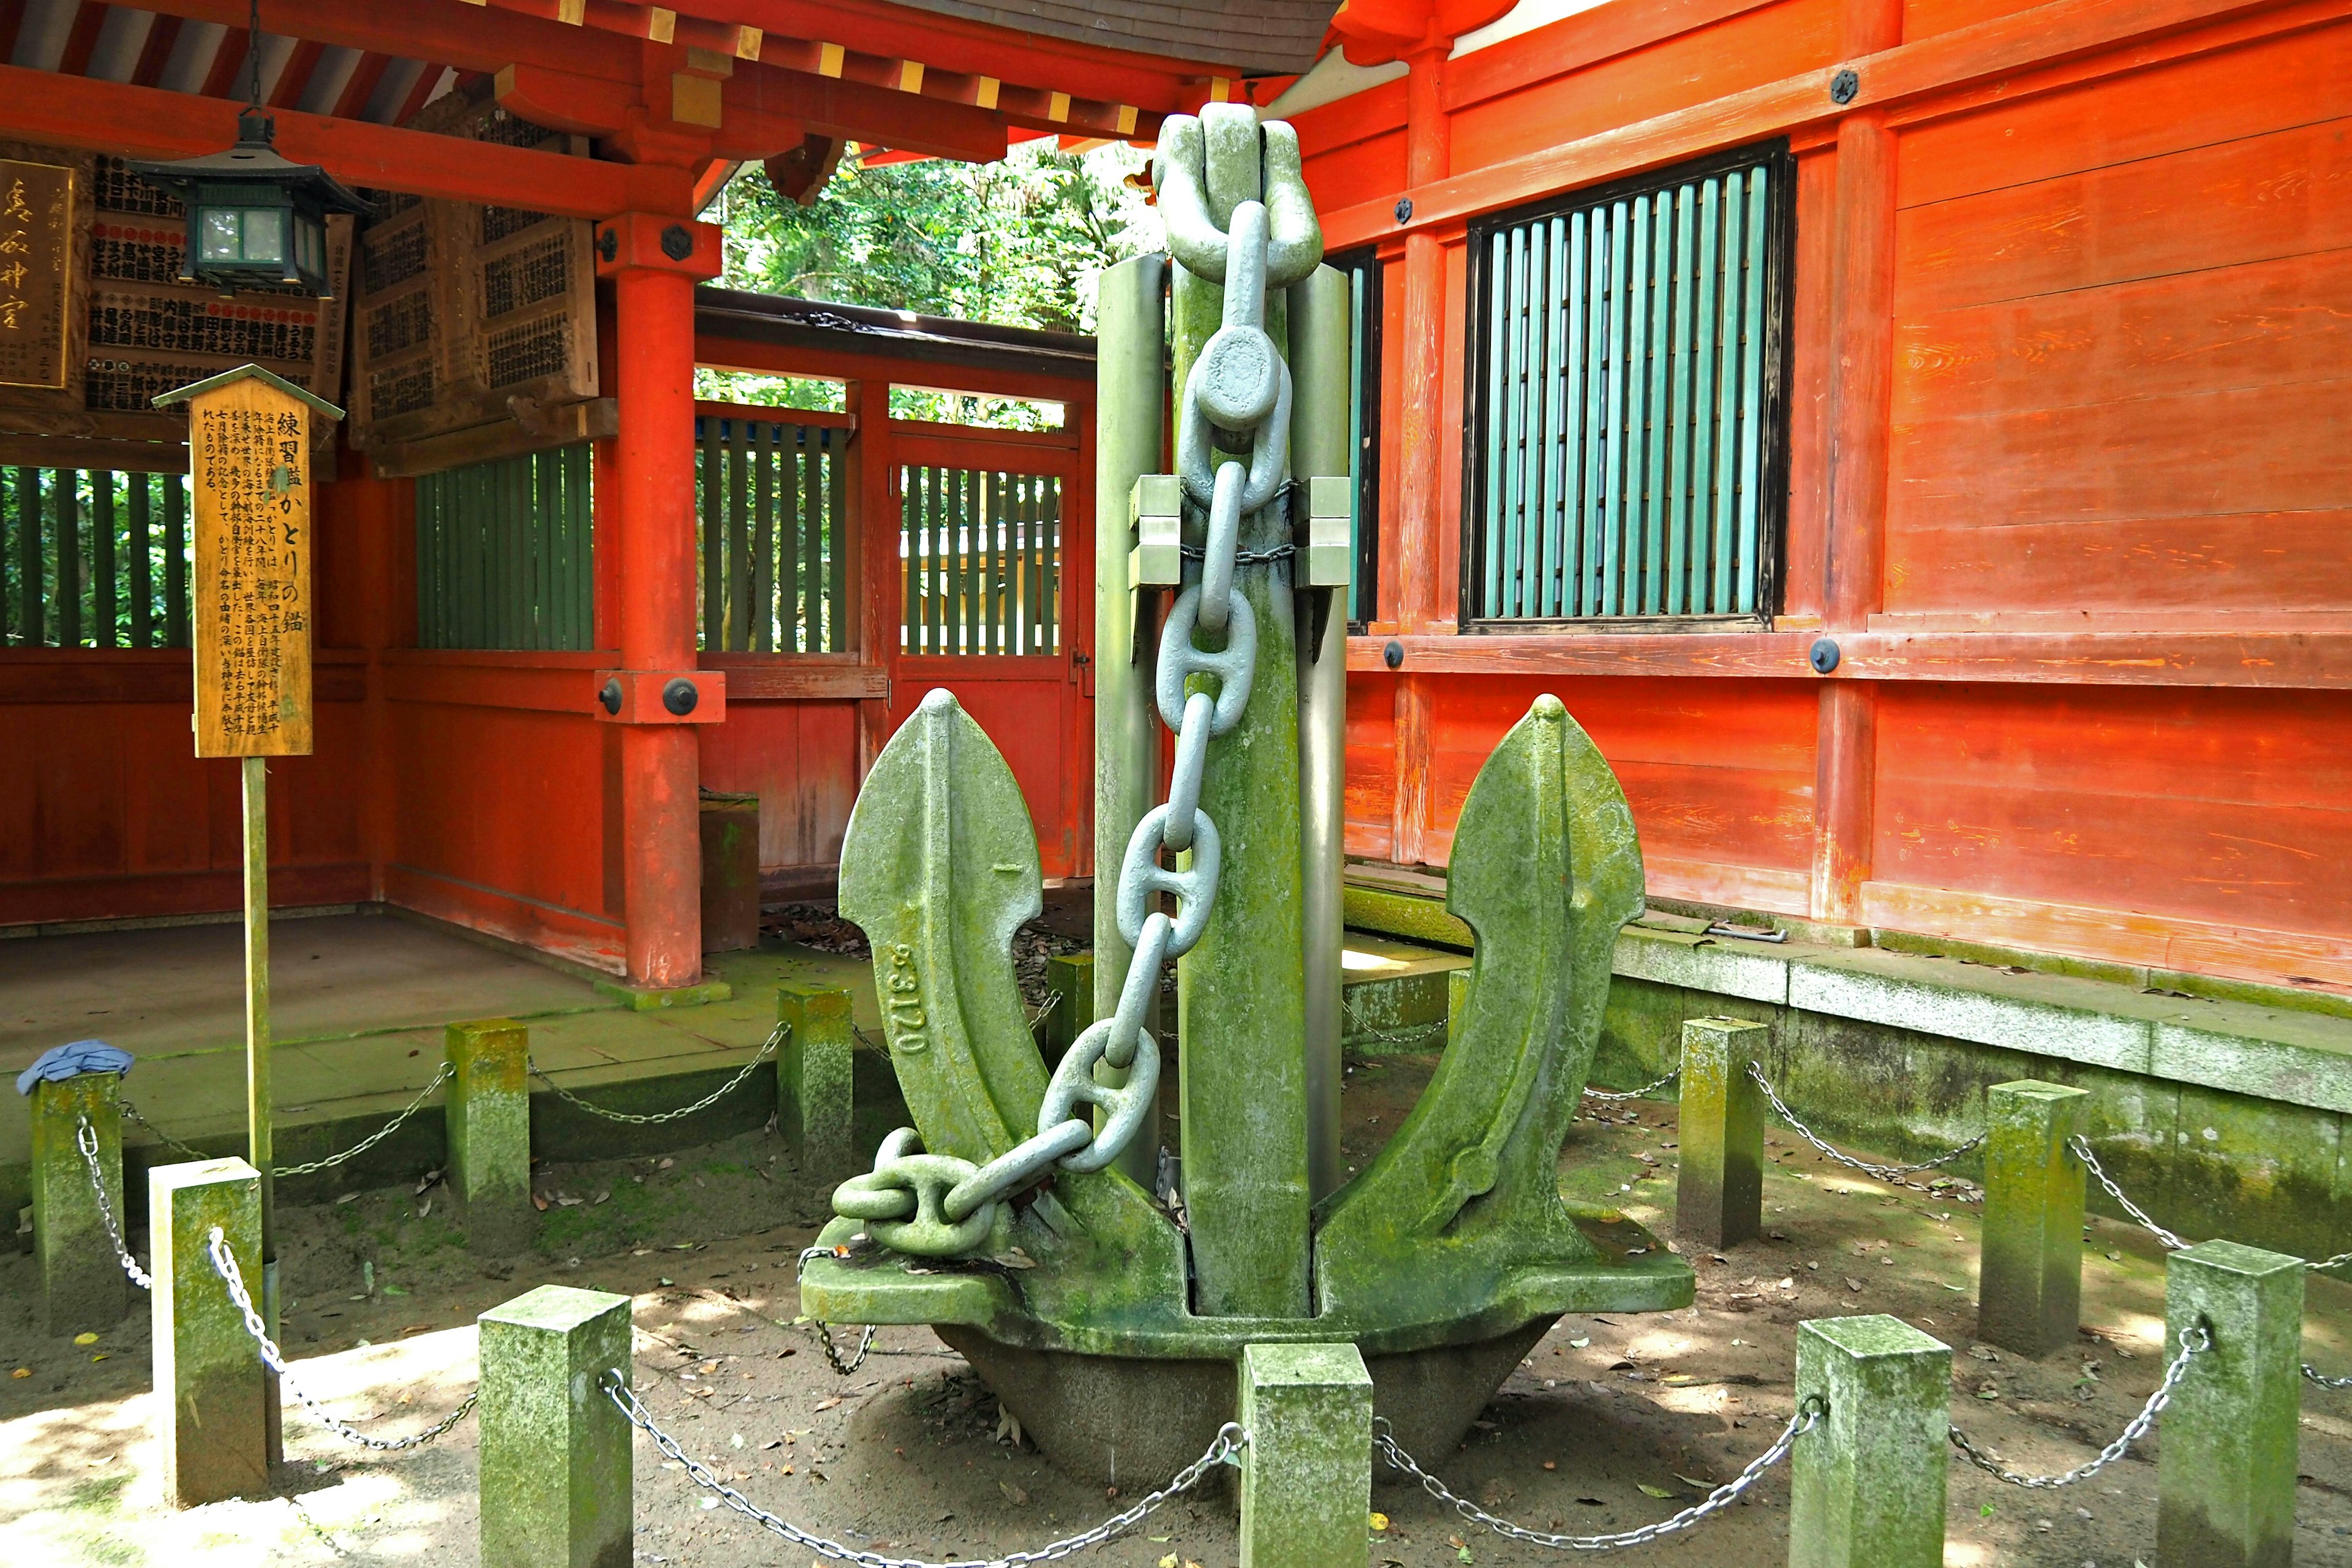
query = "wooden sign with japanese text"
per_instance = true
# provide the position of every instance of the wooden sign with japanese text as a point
(249, 445)
(37, 269)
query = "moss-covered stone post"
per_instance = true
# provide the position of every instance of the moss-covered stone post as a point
(488, 1111)
(2030, 1287)
(1719, 1196)
(211, 1416)
(1070, 990)
(2225, 1471)
(1307, 1473)
(82, 1286)
(815, 1081)
(555, 1464)
(1866, 1484)
(1458, 1000)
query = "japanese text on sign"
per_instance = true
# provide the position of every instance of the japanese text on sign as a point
(253, 573)
(36, 242)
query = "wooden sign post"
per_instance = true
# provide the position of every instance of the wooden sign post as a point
(249, 452)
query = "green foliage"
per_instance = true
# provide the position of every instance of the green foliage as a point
(1022, 242)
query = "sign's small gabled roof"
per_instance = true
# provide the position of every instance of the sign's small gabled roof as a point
(196, 388)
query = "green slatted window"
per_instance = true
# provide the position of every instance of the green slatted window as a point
(94, 559)
(773, 499)
(506, 553)
(1362, 271)
(1629, 438)
(981, 552)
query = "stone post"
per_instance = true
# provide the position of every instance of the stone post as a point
(82, 1284)
(211, 1416)
(488, 1118)
(1070, 982)
(1458, 1000)
(2030, 1287)
(1306, 1475)
(1719, 1198)
(2225, 1471)
(815, 1081)
(555, 1463)
(1866, 1484)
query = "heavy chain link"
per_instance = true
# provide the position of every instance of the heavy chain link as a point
(1808, 1415)
(378, 1136)
(1229, 1441)
(85, 1139)
(1893, 1173)
(2195, 1340)
(634, 1119)
(225, 1265)
(938, 1206)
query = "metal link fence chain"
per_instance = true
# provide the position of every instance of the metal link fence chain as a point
(1229, 1441)
(162, 1137)
(939, 1205)
(85, 1139)
(648, 1119)
(824, 1331)
(372, 1139)
(1642, 1093)
(2313, 1374)
(2194, 1342)
(2080, 1147)
(1893, 1173)
(1807, 1416)
(225, 1265)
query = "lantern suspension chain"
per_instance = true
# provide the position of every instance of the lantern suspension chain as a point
(938, 1206)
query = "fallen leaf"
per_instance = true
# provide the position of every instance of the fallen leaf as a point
(1693, 1482)
(85, 1339)
(664, 1280)
(773, 1443)
(828, 1403)
(1169, 1561)
(1551, 1464)
(1378, 1521)
(1580, 1344)
(570, 1203)
(349, 1198)
(1014, 1495)
(1852, 1283)
(539, 1203)
(1653, 1491)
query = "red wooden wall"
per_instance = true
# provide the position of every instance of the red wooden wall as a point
(2069, 481)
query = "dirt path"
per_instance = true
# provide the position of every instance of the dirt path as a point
(1606, 1413)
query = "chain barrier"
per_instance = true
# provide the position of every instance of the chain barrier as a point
(2080, 1147)
(2313, 1374)
(1808, 1415)
(2194, 1342)
(1038, 1013)
(939, 1205)
(1229, 1441)
(225, 1265)
(1893, 1173)
(635, 1118)
(1642, 1093)
(362, 1147)
(85, 1139)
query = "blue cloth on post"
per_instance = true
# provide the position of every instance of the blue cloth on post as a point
(59, 1063)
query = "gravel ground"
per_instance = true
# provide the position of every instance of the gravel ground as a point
(1611, 1423)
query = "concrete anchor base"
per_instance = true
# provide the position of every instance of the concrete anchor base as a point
(1134, 1421)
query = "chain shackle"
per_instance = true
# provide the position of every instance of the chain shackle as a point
(1235, 666)
(1140, 875)
(1295, 242)
(1124, 1105)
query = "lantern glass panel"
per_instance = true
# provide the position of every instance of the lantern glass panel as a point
(264, 235)
(221, 239)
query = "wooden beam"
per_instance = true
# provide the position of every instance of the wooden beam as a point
(352, 101)
(157, 52)
(2050, 33)
(798, 677)
(472, 38)
(2279, 660)
(230, 73)
(148, 122)
(82, 40)
(832, 106)
(296, 76)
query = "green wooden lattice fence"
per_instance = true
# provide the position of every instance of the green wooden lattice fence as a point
(91, 558)
(1628, 385)
(772, 500)
(506, 553)
(981, 552)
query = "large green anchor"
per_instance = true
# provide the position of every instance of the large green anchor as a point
(1108, 1317)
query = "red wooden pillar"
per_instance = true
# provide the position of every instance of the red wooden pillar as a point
(653, 263)
(1429, 149)
(1861, 339)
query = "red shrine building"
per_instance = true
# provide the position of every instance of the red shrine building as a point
(1909, 434)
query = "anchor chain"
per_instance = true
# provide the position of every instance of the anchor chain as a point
(939, 1205)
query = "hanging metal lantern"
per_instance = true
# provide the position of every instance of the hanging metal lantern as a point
(253, 217)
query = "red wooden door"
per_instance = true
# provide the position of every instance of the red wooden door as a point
(996, 603)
